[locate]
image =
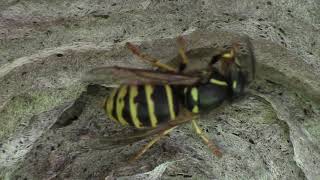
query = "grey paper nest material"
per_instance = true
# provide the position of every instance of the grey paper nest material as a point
(47, 115)
(271, 136)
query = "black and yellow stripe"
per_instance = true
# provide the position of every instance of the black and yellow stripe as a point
(150, 104)
(170, 100)
(133, 106)
(191, 98)
(218, 82)
(120, 104)
(143, 105)
(110, 105)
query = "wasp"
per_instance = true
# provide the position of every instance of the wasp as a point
(162, 99)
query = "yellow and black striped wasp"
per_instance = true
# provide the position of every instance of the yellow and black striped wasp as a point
(162, 99)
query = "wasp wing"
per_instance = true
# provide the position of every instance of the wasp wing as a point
(246, 61)
(251, 59)
(184, 117)
(111, 142)
(123, 75)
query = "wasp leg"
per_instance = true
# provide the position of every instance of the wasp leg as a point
(153, 141)
(215, 150)
(153, 61)
(182, 48)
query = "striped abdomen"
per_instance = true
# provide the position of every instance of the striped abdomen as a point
(142, 105)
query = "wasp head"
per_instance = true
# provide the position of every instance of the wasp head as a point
(238, 69)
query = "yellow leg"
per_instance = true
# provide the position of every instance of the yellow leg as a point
(182, 48)
(215, 150)
(153, 61)
(153, 141)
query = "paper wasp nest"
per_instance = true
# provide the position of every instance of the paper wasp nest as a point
(47, 114)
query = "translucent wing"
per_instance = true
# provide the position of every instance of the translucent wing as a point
(122, 139)
(246, 62)
(250, 61)
(123, 75)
